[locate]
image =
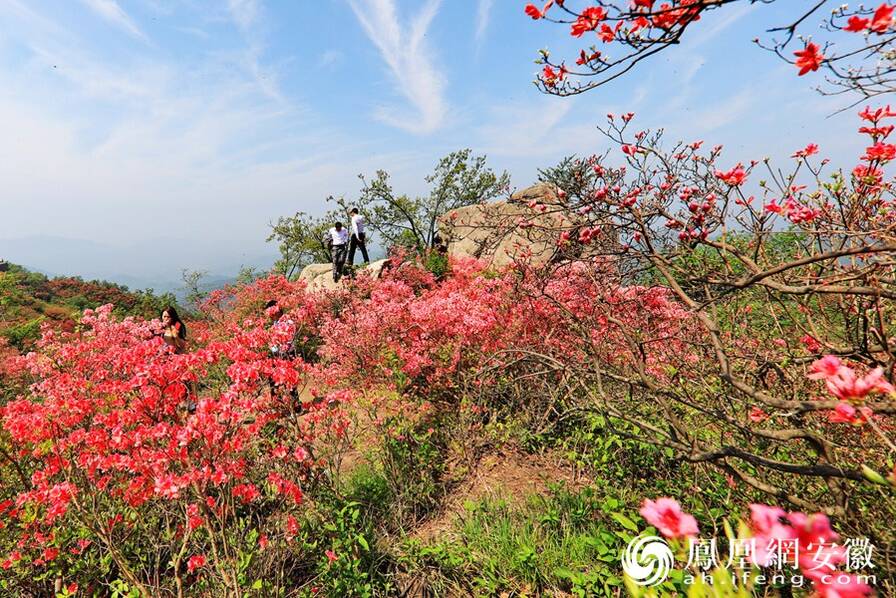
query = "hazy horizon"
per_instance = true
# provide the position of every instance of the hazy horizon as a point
(150, 263)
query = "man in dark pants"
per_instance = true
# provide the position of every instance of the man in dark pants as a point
(359, 238)
(337, 243)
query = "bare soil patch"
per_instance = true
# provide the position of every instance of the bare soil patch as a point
(509, 474)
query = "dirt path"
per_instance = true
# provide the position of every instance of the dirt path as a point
(507, 474)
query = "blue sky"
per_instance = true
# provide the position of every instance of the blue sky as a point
(130, 120)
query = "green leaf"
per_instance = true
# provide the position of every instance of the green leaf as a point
(363, 542)
(624, 521)
(873, 476)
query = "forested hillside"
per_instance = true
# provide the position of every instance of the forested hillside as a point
(28, 299)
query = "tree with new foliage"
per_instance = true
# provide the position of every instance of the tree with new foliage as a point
(459, 179)
(301, 241)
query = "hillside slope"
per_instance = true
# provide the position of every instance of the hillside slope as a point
(27, 299)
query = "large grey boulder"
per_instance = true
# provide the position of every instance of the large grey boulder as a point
(500, 232)
(319, 277)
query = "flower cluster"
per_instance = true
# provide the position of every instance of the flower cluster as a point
(852, 389)
(807, 540)
(666, 515)
(880, 22)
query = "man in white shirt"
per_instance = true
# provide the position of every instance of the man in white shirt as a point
(359, 239)
(337, 243)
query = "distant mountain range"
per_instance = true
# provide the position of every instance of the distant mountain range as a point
(155, 263)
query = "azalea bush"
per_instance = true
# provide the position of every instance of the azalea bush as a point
(134, 464)
(129, 464)
(753, 326)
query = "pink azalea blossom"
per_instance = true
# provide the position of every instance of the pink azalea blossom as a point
(666, 515)
(845, 413)
(825, 367)
(846, 385)
(769, 527)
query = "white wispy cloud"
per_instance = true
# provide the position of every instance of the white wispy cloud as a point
(719, 24)
(410, 63)
(112, 12)
(527, 128)
(483, 14)
(248, 17)
(243, 12)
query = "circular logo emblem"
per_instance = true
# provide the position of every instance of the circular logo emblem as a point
(647, 560)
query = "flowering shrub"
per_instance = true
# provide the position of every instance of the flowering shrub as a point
(666, 515)
(764, 288)
(124, 448)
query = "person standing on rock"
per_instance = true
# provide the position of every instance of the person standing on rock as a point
(359, 238)
(337, 243)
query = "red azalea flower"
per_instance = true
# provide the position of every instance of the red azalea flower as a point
(195, 562)
(809, 58)
(844, 413)
(881, 151)
(638, 24)
(882, 19)
(734, 177)
(773, 206)
(856, 24)
(811, 343)
(758, 415)
(585, 58)
(549, 76)
(807, 151)
(666, 515)
(588, 20)
(874, 117)
(607, 34)
(533, 12)
(666, 17)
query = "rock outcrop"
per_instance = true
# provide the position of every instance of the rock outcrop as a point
(503, 231)
(320, 276)
(525, 226)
